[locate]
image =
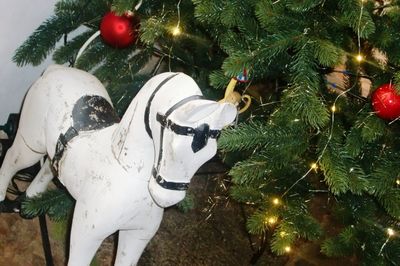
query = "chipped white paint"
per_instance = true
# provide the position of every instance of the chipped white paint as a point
(108, 171)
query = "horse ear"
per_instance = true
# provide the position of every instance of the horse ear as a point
(227, 114)
(219, 114)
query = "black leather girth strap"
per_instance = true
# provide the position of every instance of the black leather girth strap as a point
(62, 141)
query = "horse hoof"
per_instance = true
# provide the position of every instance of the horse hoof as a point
(9, 206)
(21, 198)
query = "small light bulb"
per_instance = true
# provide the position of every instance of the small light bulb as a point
(398, 181)
(359, 58)
(314, 166)
(287, 249)
(276, 201)
(272, 220)
(333, 108)
(176, 31)
(390, 232)
(282, 233)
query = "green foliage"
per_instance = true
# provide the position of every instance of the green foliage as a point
(121, 6)
(69, 15)
(341, 245)
(57, 204)
(42, 41)
(246, 194)
(187, 204)
(261, 136)
(302, 39)
(258, 222)
(283, 237)
(249, 170)
(363, 25)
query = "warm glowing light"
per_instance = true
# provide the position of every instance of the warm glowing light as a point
(276, 201)
(272, 220)
(359, 58)
(282, 233)
(398, 181)
(333, 108)
(314, 166)
(176, 31)
(390, 232)
(287, 249)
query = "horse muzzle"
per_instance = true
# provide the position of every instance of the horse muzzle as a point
(166, 193)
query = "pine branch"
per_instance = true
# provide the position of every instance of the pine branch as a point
(67, 53)
(362, 25)
(283, 237)
(151, 30)
(247, 194)
(390, 200)
(43, 40)
(254, 169)
(341, 245)
(56, 203)
(257, 135)
(262, 220)
(302, 6)
(335, 172)
(121, 6)
(93, 55)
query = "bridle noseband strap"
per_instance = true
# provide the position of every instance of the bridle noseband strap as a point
(180, 186)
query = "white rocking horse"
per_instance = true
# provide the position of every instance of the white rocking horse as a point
(121, 173)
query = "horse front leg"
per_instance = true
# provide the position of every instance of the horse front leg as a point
(131, 244)
(18, 157)
(87, 233)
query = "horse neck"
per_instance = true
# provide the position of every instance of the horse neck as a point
(131, 145)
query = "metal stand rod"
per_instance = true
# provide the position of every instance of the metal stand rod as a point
(45, 240)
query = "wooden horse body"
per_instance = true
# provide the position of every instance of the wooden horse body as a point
(122, 174)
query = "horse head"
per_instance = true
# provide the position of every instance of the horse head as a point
(185, 137)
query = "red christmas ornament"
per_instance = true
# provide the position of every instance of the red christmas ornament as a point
(119, 31)
(386, 102)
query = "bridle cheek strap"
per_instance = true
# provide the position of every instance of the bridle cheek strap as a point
(179, 186)
(200, 134)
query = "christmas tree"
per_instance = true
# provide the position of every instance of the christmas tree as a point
(318, 147)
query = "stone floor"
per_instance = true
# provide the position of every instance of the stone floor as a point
(20, 243)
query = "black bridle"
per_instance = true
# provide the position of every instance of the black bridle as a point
(200, 134)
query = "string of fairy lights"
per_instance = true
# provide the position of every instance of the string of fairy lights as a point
(277, 201)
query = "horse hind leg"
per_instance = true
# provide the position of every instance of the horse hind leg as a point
(19, 156)
(41, 180)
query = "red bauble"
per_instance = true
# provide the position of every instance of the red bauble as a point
(119, 31)
(386, 102)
